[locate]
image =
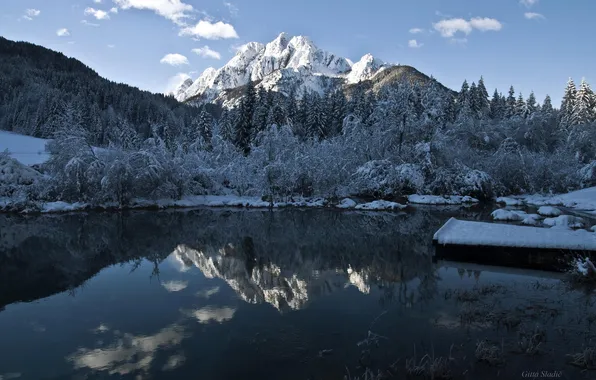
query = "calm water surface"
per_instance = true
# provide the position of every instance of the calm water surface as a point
(236, 294)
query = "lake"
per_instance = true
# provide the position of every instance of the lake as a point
(288, 294)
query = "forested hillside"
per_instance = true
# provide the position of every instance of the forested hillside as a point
(43, 90)
(387, 140)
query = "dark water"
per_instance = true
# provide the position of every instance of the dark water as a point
(230, 294)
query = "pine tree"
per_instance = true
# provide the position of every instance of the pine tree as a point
(205, 127)
(496, 111)
(482, 102)
(245, 126)
(520, 106)
(315, 126)
(276, 116)
(227, 125)
(338, 112)
(368, 105)
(474, 104)
(547, 106)
(449, 110)
(511, 103)
(463, 95)
(531, 105)
(261, 110)
(583, 112)
(568, 104)
(291, 108)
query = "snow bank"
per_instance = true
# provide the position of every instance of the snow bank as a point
(13, 172)
(549, 211)
(541, 200)
(510, 201)
(565, 221)
(532, 220)
(25, 149)
(593, 228)
(461, 232)
(380, 205)
(207, 200)
(346, 203)
(440, 200)
(582, 199)
(583, 267)
(60, 206)
(507, 215)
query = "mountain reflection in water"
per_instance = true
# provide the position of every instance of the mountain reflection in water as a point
(94, 278)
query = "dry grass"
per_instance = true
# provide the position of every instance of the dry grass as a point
(585, 359)
(474, 294)
(430, 366)
(530, 343)
(489, 353)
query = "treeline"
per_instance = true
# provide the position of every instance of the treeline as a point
(42, 90)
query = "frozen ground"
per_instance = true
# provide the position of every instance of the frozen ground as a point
(26, 149)
(440, 200)
(584, 200)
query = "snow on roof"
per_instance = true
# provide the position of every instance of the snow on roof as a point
(460, 232)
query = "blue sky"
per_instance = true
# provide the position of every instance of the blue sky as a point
(532, 44)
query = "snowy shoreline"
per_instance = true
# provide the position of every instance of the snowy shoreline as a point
(222, 201)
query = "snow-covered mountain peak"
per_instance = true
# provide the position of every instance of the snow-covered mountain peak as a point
(277, 47)
(365, 69)
(287, 61)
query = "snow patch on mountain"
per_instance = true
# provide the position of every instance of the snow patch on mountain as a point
(280, 65)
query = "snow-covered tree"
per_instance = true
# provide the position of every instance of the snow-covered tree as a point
(511, 103)
(568, 105)
(583, 111)
(531, 105)
(481, 101)
(547, 105)
(497, 109)
(520, 106)
(245, 126)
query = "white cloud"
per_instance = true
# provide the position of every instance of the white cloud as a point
(207, 52)
(97, 1)
(533, 16)
(85, 22)
(208, 314)
(209, 292)
(111, 46)
(485, 24)
(414, 44)
(97, 13)
(174, 10)
(114, 10)
(449, 27)
(62, 32)
(128, 354)
(232, 9)
(175, 60)
(416, 30)
(209, 31)
(175, 82)
(175, 286)
(528, 3)
(32, 12)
